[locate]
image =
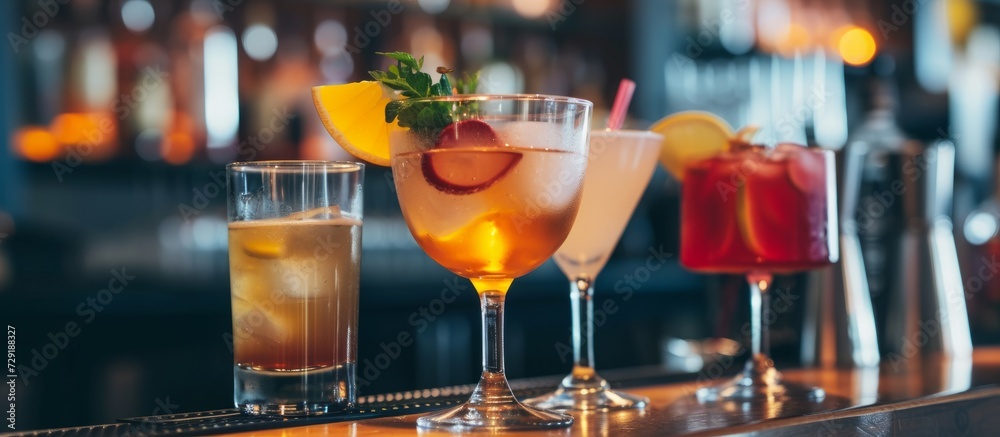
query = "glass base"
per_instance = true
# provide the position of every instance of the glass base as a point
(306, 393)
(759, 381)
(591, 394)
(492, 407)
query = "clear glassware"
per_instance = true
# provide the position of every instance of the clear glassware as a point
(491, 197)
(756, 211)
(620, 165)
(294, 263)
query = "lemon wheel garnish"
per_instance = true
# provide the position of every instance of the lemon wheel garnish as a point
(354, 115)
(690, 137)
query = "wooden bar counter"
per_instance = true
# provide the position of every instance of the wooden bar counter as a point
(906, 396)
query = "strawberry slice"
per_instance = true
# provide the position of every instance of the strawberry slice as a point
(467, 171)
(467, 133)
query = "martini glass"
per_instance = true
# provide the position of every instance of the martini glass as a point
(491, 197)
(755, 211)
(620, 165)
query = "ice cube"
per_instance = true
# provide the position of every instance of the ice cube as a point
(324, 212)
(406, 141)
(258, 321)
(785, 151)
(548, 180)
(300, 278)
(541, 135)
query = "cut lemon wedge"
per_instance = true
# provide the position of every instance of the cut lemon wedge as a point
(264, 249)
(690, 137)
(354, 114)
(747, 133)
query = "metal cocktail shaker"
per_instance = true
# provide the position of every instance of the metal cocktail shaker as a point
(840, 324)
(927, 312)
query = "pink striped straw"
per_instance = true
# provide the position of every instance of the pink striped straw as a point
(620, 107)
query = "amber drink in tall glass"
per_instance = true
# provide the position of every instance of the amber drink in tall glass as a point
(294, 257)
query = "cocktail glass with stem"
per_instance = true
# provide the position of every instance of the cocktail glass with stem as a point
(620, 164)
(490, 197)
(757, 210)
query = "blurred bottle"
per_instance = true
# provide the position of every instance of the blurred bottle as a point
(86, 127)
(982, 263)
(839, 323)
(927, 314)
(906, 235)
(145, 102)
(879, 220)
(975, 117)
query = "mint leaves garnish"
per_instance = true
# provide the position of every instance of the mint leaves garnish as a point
(406, 76)
(421, 117)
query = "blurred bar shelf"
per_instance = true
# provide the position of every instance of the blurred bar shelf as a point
(907, 395)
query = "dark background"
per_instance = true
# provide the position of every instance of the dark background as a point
(159, 345)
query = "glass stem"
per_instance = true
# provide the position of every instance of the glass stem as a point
(493, 387)
(760, 305)
(492, 304)
(581, 297)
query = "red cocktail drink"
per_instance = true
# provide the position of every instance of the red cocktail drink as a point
(759, 209)
(756, 210)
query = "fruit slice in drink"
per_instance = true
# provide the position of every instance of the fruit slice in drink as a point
(354, 115)
(691, 137)
(467, 171)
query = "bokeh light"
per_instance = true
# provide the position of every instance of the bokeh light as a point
(138, 15)
(531, 8)
(94, 129)
(738, 36)
(477, 43)
(203, 12)
(35, 143)
(428, 41)
(962, 16)
(980, 226)
(49, 46)
(178, 148)
(97, 81)
(500, 78)
(857, 46)
(260, 42)
(221, 75)
(330, 37)
(774, 21)
(337, 66)
(147, 144)
(433, 6)
(796, 39)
